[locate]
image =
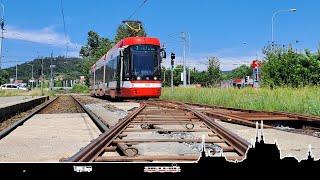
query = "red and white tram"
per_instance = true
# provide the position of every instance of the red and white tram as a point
(131, 69)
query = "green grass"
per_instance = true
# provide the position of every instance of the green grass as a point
(302, 100)
(34, 92)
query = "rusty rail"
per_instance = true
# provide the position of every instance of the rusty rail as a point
(248, 117)
(97, 146)
(267, 114)
(159, 117)
(99, 123)
(236, 141)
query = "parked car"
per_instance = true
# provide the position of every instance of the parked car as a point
(12, 87)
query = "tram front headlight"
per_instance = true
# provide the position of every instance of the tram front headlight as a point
(155, 78)
(138, 78)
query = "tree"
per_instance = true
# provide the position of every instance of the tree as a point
(4, 76)
(104, 46)
(240, 72)
(200, 78)
(177, 75)
(96, 46)
(131, 29)
(91, 45)
(214, 72)
(166, 79)
(286, 67)
(92, 51)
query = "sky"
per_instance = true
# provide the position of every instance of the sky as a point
(233, 31)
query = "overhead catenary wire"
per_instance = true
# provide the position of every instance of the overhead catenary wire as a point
(64, 27)
(126, 22)
(136, 10)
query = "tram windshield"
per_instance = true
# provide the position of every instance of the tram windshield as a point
(145, 60)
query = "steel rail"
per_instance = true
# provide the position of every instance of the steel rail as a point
(96, 148)
(293, 115)
(90, 152)
(223, 117)
(236, 141)
(98, 122)
(251, 116)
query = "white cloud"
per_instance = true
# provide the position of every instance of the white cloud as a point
(73, 54)
(46, 36)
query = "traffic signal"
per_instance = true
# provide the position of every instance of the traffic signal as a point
(173, 56)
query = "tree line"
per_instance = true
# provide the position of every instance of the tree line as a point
(68, 68)
(211, 77)
(285, 66)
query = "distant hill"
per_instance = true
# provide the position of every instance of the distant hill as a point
(227, 72)
(69, 68)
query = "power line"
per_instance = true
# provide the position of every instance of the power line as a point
(141, 5)
(64, 28)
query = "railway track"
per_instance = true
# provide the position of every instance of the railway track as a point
(57, 105)
(292, 122)
(162, 131)
(166, 131)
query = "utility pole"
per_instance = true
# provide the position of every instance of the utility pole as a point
(189, 76)
(16, 73)
(42, 76)
(1, 43)
(183, 37)
(173, 56)
(51, 73)
(171, 78)
(32, 78)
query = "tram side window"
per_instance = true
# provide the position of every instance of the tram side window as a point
(99, 75)
(109, 71)
(126, 65)
(113, 70)
(91, 79)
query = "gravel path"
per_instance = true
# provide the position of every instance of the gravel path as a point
(64, 104)
(109, 112)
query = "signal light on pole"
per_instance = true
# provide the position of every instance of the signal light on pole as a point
(173, 56)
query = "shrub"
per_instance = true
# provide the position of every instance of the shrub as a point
(79, 88)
